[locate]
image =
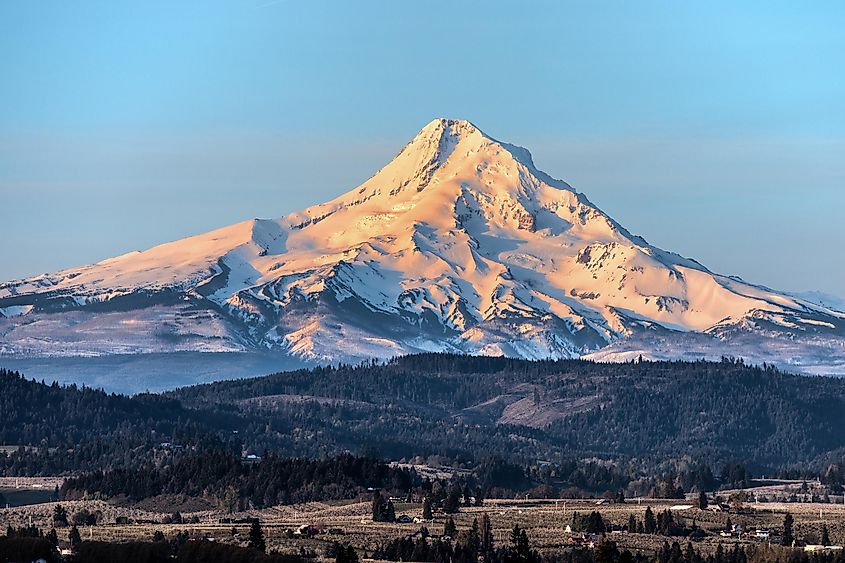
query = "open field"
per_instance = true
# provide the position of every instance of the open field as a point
(350, 522)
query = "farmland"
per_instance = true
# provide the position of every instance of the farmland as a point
(545, 521)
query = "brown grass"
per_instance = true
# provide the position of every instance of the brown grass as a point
(545, 521)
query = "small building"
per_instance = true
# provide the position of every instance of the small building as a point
(584, 540)
(420, 520)
(306, 530)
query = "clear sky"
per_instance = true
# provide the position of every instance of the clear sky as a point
(714, 129)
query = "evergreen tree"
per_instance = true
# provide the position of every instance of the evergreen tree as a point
(471, 541)
(825, 535)
(53, 537)
(389, 512)
(787, 538)
(449, 527)
(675, 555)
(426, 509)
(479, 498)
(378, 507)
(59, 516)
(256, 536)
(593, 523)
(345, 554)
(383, 510)
(73, 537)
(420, 550)
(606, 552)
(453, 499)
(649, 523)
(520, 545)
(702, 500)
(689, 554)
(486, 537)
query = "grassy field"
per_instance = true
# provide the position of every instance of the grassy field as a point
(350, 522)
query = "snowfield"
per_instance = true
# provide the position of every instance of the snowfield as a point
(459, 244)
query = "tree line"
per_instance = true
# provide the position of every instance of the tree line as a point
(659, 428)
(236, 485)
(476, 544)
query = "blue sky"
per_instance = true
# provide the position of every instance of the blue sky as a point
(714, 129)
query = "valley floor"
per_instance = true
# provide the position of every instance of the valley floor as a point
(350, 522)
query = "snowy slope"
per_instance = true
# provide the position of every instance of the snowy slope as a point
(821, 298)
(458, 244)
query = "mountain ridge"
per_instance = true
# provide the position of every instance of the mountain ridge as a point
(458, 244)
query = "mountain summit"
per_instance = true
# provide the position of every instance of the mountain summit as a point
(459, 244)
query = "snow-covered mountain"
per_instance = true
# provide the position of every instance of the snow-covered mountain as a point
(459, 244)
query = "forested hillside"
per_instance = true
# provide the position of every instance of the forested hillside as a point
(466, 407)
(58, 429)
(587, 424)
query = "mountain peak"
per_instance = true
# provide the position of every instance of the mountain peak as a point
(442, 135)
(455, 126)
(437, 139)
